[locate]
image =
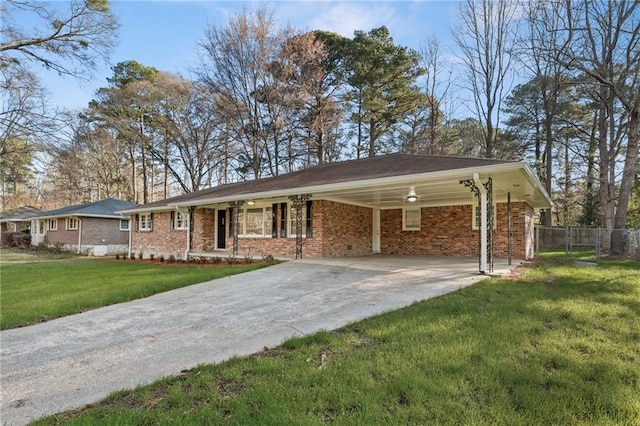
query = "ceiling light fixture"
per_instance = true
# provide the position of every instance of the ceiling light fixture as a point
(251, 202)
(412, 197)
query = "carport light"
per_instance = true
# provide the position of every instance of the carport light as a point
(412, 197)
(251, 202)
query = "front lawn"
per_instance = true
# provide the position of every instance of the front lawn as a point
(559, 345)
(45, 288)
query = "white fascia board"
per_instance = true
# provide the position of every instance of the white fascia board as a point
(97, 216)
(368, 183)
(142, 209)
(538, 185)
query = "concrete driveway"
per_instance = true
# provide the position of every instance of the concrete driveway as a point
(80, 359)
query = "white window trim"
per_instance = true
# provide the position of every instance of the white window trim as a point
(242, 216)
(180, 221)
(291, 221)
(404, 218)
(474, 225)
(73, 223)
(53, 224)
(127, 222)
(146, 222)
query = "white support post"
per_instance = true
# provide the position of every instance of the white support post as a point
(483, 223)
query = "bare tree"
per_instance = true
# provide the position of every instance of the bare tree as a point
(68, 41)
(603, 43)
(486, 32)
(234, 62)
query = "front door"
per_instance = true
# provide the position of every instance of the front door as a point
(222, 234)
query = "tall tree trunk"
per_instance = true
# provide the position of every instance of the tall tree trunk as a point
(628, 175)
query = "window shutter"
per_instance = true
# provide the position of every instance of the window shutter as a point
(150, 221)
(283, 220)
(172, 221)
(274, 221)
(309, 219)
(231, 226)
(137, 219)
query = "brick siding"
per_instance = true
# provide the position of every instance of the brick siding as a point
(447, 231)
(341, 230)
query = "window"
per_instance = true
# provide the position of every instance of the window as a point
(124, 224)
(411, 219)
(53, 224)
(475, 217)
(254, 222)
(179, 220)
(306, 221)
(145, 222)
(72, 223)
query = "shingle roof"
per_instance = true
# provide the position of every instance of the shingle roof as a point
(391, 165)
(102, 208)
(20, 214)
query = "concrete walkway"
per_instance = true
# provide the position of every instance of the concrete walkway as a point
(80, 359)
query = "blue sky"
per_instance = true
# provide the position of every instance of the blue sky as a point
(164, 34)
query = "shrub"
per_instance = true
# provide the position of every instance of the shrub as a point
(140, 255)
(231, 260)
(161, 258)
(117, 256)
(268, 258)
(132, 256)
(171, 259)
(151, 256)
(248, 260)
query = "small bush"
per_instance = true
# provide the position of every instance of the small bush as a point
(132, 256)
(231, 260)
(152, 256)
(117, 256)
(268, 258)
(161, 258)
(140, 255)
(248, 260)
(216, 259)
(171, 259)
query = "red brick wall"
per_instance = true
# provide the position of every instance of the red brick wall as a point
(346, 230)
(343, 230)
(204, 230)
(447, 231)
(337, 230)
(159, 241)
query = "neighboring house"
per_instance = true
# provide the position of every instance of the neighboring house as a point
(14, 226)
(18, 220)
(94, 229)
(394, 204)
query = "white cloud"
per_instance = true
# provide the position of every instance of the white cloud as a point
(346, 17)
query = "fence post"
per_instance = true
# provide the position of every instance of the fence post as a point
(566, 242)
(598, 237)
(537, 253)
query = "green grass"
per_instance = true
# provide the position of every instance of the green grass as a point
(41, 288)
(559, 345)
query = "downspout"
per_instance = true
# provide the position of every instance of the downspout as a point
(130, 238)
(186, 252)
(79, 235)
(482, 193)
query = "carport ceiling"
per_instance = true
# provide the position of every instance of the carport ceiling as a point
(436, 191)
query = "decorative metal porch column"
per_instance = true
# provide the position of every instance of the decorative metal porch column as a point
(235, 208)
(484, 193)
(298, 201)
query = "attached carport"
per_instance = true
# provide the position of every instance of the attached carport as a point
(76, 360)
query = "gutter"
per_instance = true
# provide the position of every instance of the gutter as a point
(79, 235)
